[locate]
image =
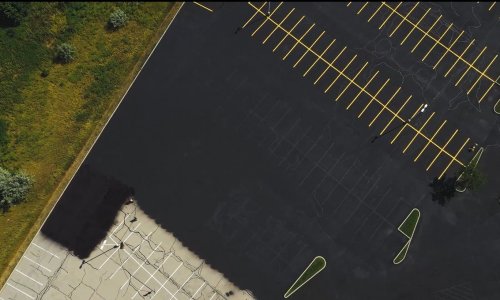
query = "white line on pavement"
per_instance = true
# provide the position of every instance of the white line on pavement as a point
(197, 290)
(163, 285)
(215, 293)
(28, 295)
(37, 263)
(179, 288)
(140, 266)
(41, 284)
(137, 248)
(137, 292)
(130, 234)
(45, 250)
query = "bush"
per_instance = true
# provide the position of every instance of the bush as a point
(13, 188)
(117, 19)
(12, 13)
(3, 134)
(44, 73)
(65, 53)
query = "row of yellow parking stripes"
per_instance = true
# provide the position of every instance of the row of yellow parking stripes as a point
(277, 26)
(386, 11)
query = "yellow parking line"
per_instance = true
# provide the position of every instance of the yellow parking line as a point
(203, 6)
(385, 105)
(317, 58)
(427, 144)
(420, 130)
(349, 84)
(406, 124)
(488, 90)
(485, 70)
(411, 31)
(275, 28)
(338, 75)
(492, 6)
(361, 9)
(378, 9)
(361, 90)
(357, 85)
(349, 4)
(441, 37)
(265, 20)
(403, 19)
(374, 96)
(331, 64)
(297, 42)
(467, 48)
(477, 57)
(394, 116)
(441, 150)
(287, 32)
(444, 46)
(451, 161)
(253, 16)
(445, 52)
(390, 15)
(427, 33)
(307, 50)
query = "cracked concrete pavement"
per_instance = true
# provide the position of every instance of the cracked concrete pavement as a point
(151, 263)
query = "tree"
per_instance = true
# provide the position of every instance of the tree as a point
(443, 189)
(13, 188)
(12, 13)
(65, 53)
(471, 178)
(117, 19)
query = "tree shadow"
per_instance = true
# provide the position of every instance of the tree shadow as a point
(443, 189)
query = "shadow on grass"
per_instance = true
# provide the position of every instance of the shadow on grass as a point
(86, 211)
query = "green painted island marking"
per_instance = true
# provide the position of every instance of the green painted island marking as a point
(407, 228)
(473, 162)
(316, 265)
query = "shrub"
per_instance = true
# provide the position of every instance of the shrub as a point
(12, 13)
(3, 134)
(44, 73)
(117, 19)
(65, 53)
(13, 188)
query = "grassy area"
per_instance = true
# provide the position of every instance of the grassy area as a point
(402, 253)
(47, 124)
(314, 268)
(410, 223)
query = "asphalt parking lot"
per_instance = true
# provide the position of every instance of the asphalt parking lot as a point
(252, 139)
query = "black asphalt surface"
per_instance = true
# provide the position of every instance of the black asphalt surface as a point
(256, 170)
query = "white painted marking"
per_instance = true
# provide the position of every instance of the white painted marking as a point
(37, 263)
(165, 260)
(137, 248)
(180, 287)
(162, 286)
(28, 295)
(215, 293)
(33, 243)
(41, 284)
(102, 245)
(140, 266)
(130, 234)
(197, 290)
(106, 124)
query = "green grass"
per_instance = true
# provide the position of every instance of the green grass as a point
(314, 268)
(410, 223)
(47, 122)
(402, 254)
